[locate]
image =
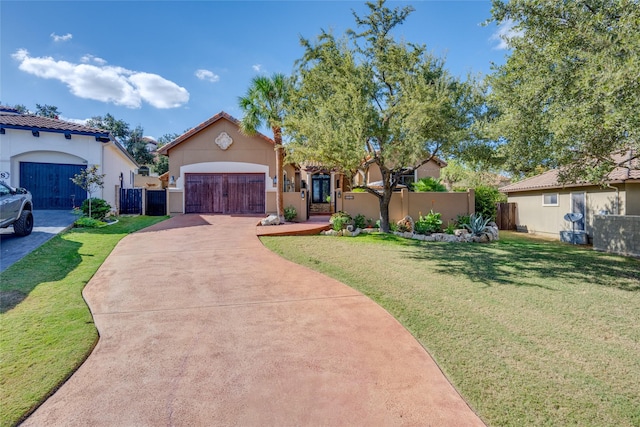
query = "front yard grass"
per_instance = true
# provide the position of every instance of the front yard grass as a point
(46, 328)
(530, 332)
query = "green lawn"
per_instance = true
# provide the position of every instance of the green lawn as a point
(530, 332)
(46, 329)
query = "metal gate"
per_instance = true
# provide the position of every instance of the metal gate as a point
(156, 203)
(131, 201)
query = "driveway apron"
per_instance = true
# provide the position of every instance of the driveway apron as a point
(201, 325)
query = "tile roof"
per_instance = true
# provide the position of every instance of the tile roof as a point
(188, 134)
(32, 122)
(549, 179)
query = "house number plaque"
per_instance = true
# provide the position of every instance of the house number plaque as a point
(224, 140)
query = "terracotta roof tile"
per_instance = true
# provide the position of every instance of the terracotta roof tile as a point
(549, 179)
(204, 125)
(28, 121)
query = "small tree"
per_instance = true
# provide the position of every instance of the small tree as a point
(88, 179)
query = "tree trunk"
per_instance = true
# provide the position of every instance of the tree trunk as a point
(385, 199)
(277, 137)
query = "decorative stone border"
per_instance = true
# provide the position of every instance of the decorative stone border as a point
(464, 236)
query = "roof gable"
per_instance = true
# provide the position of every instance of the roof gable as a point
(202, 126)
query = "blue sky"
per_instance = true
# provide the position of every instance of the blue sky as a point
(170, 65)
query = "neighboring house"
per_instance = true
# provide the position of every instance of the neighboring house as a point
(215, 168)
(542, 202)
(42, 154)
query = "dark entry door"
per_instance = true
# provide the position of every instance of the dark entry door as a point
(225, 193)
(320, 188)
(51, 186)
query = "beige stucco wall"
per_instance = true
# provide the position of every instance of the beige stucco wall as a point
(201, 148)
(152, 182)
(295, 199)
(176, 201)
(404, 203)
(618, 234)
(549, 220)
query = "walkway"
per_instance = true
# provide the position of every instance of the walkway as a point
(201, 325)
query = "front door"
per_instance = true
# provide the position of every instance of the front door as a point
(320, 188)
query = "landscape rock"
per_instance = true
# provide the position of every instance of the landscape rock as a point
(406, 224)
(270, 220)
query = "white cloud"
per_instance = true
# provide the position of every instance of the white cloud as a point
(57, 38)
(110, 84)
(90, 58)
(257, 67)
(82, 122)
(207, 75)
(505, 32)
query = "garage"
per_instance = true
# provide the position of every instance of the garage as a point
(51, 186)
(225, 193)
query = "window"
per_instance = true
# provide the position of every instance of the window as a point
(550, 199)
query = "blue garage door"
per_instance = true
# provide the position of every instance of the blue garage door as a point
(51, 186)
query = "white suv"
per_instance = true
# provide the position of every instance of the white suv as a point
(16, 209)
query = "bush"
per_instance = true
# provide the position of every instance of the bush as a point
(461, 220)
(358, 190)
(431, 223)
(340, 220)
(428, 184)
(486, 200)
(360, 221)
(451, 228)
(290, 213)
(87, 222)
(99, 208)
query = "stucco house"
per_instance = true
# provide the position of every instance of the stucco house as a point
(372, 173)
(215, 168)
(42, 154)
(542, 202)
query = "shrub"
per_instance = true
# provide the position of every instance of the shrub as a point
(358, 190)
(340, 220)
(290, 213)
(360, 221)
(451, 228)
(431, 223)
(87, 222)
(99, 208)
(461, 220)
(477, 224)
(486, 199)
(428, 184)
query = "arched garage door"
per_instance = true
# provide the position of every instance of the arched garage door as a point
(224, 193)
(51, 186)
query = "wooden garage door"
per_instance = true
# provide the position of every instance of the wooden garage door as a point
(51, 186)
(226, 193)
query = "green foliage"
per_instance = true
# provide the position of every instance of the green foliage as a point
(266, 103)
(461, 220)
(359, 221)
(486, 200)
(451, 228)
(162, 165)
(358, 190)
(340, 220)
(430, 223)
(568, 93)
(136, 145)
(377, 99)
(428, 184)
(290, 213)
(118, 128)
(87, 222)
(95, 208)
(477, 224)
(50, 111)
(88, 179)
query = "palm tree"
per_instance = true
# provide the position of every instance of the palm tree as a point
(265, 104)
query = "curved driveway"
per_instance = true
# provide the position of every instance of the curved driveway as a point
(201, 325)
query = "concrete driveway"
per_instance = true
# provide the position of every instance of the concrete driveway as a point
(46, 224)
(200, 325)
